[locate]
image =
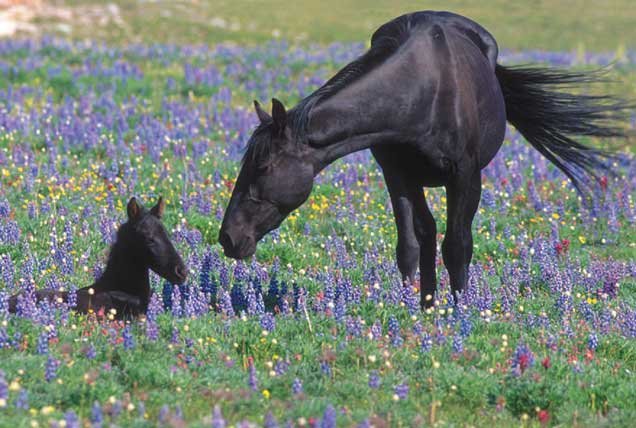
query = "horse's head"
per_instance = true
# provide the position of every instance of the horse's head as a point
(146, 240)
(276, 177)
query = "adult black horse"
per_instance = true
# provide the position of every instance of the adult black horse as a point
(431, 102)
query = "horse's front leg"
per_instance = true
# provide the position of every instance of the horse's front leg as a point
(408, 246)
(463, 194)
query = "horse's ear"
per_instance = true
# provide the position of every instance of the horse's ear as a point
(279, 115)
(134, 209)
(159, 207)
(262, 114)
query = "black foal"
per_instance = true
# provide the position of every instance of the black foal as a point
(142, 243)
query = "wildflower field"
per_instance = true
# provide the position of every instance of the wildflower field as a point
(317, 329)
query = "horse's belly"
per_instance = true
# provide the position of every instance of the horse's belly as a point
(416, 167)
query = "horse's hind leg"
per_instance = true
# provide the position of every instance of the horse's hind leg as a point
(463, 195)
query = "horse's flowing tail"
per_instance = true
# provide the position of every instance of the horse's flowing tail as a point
(550, 118)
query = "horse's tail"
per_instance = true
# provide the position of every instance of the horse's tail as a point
(550, 118)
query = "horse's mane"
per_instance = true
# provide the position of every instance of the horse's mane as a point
(384, 42)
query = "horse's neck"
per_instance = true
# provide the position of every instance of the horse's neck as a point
(124, 273)
(339, 126)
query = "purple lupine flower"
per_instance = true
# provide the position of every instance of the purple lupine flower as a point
(268, 322)
(5, 342)
(4, 387)
(354, 326)
(174, 338)
(297, 387)
(374, 379)
(465, 326)
(281, 367)
(176, 304)
(43, 343)
(50, 371)
(426, 343)
(217, 418)
(164, 412)
(340, 308)
(91, 352)
(205, 282)
(7, 269)
(225, 303)
(72, 296)
(270, 421)
(402, 391)
(394, 332)
(410, 299)
(152, 330)
(458, 344)
(329, 418)
(592, 342)
(417, 328)
(325, 368)
(129, 340)
(71, 419)
(376, 331)
(166, 295)
(255, 303)
(155, 307)
(22, 402)
(97, 416)
(252, 379)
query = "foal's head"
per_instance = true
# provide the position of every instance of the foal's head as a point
(144, 239)
(276, 178)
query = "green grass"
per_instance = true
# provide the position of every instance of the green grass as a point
(540, 24)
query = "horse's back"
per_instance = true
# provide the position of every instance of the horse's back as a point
(470, 105)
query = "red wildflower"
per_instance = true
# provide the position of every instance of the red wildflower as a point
(524, 362)
(563, 246)
(544, 416)
(546, 363)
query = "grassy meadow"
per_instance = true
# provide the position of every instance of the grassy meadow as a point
(316, 330)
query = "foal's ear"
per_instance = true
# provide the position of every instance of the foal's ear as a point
(279, 115)
(262, 114)
(158, 209)
(134, 209)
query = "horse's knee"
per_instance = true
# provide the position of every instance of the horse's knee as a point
(456, 248)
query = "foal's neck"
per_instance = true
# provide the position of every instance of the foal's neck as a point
(124, 272)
